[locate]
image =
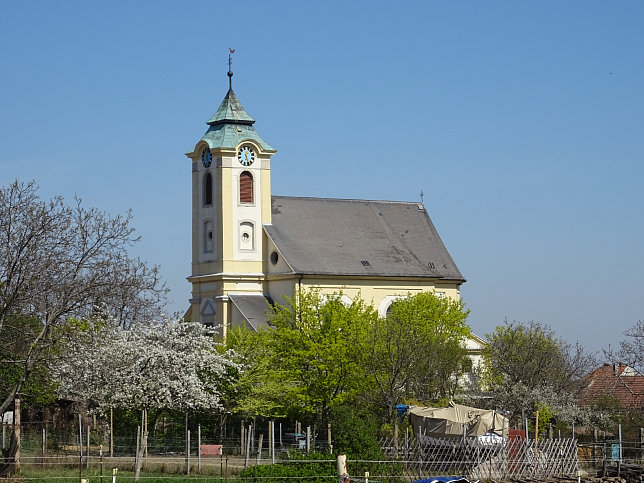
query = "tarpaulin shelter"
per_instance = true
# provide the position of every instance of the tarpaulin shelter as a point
(455, 419)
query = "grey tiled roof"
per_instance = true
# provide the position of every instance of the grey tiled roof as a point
(358, 237)
(253, 308)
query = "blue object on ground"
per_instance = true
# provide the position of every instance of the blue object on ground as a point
(445, 479)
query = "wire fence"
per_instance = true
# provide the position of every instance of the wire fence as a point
(406, 460)
(478, 459)
(92, 440)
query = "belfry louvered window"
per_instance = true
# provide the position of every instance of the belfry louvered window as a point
(246, 187)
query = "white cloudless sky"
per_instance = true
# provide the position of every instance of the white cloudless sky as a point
(521, 122)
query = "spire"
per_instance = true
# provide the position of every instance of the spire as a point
(231, 124)
(230, 70)
(230, 110)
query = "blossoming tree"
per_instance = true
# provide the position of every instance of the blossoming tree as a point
(173, 365)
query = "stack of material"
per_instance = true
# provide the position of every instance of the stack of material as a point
(625, 472)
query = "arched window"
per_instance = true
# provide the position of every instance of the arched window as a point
(245, 187)
(207, 189)
(384, 308)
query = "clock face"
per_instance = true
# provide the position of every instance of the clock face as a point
(206, 158)
(246, 155)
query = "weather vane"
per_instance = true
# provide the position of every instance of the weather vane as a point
(230, 70)
(422, 196)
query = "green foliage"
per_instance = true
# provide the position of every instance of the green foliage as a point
(524, 354)
(15, 335)
(314, 343)
(355, 433)
(432, 317)
(417, 351)
(321, 468)
(437, 325)
(256, 390)
(313, 467)
(546, 415)
(321, 355)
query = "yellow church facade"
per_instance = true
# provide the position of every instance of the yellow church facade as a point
(251, 248)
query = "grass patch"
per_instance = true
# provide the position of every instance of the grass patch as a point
(65, 474)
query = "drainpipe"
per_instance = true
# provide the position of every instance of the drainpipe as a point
(299, 298)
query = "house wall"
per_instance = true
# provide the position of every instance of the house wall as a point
(381, 292)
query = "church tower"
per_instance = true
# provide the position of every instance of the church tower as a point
(231, 201)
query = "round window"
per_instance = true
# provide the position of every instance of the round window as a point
(274, 258)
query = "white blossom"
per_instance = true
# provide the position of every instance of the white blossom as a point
(174, 365)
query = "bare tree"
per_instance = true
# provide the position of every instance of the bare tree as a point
(631, 349)
(59, 261)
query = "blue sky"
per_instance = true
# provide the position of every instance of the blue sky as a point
(520, 121)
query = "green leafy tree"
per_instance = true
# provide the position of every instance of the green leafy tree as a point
(528, 367)
(256, 389)
(322, 358)
(417, 351)
(314, 342)
(356, 431)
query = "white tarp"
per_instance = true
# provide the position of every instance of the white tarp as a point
(451, 421)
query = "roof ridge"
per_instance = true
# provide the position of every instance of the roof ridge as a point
(357, 200)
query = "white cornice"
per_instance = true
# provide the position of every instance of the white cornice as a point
(226, 276)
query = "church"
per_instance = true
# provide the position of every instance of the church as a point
(250, 247)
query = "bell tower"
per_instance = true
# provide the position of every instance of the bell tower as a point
(231, 201)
